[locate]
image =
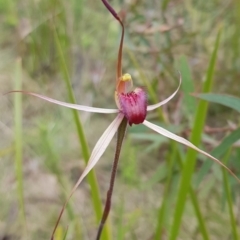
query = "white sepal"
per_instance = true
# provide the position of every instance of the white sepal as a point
(175, 137)
(70, 105)
(157, 105)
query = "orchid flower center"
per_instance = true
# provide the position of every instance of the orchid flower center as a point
(133, 104)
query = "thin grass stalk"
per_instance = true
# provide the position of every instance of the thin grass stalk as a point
(194, 200)
(53, 161)
(65, 235)
(229, 198)
(159, 227)
(91, 177)
(193, 197)
(167, 34)
(120, 218)
(164, 5)
(18, 141)
(195, 139)
(60, 235)
(162, 209)
(220, 150)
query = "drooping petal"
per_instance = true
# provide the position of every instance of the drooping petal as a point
(70, 105)
(157, 105)
(175, 137)
(97, 152)
(100, 147)
(134, 105)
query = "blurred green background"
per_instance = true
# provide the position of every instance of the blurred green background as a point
(40, 155)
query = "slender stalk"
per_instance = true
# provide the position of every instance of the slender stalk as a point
(121, 129)
(120, 136)
(115, 15)
(18, 140)
(202, 226)
(91, 177)
(229, 198)
(195, 138)
(162, 211)
(54, 167)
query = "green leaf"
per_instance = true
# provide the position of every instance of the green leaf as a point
(218, 152)
(95, 191)
(229, 199)
(189, 103)
(226, 100)
(195, 138)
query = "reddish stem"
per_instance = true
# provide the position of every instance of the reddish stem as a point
(115, 15)
(121, 133)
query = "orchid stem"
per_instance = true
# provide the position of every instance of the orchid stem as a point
(120, 137)
(115, 15)
(95, 193)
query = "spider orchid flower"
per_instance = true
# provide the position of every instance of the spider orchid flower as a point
(131, 106)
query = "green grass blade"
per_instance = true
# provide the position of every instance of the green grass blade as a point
(189, 103)
(165, 4)
(60, 235)
(226, 143)
(163, 208)
(201, 223)
(190, 106)
(65, 235)
(161, 213)
(120, 221)
(53, 166)
(226, 100)
(229, 199)
(91, 177)
(187, 87)
(195, 139)
(235, 45)
(18, 139)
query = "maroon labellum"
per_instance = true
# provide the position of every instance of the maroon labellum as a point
(134, 105)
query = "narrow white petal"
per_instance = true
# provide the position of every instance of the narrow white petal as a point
(157, 105)
(97, 152)
(70, 105)
(100, 148)
(175, 137)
